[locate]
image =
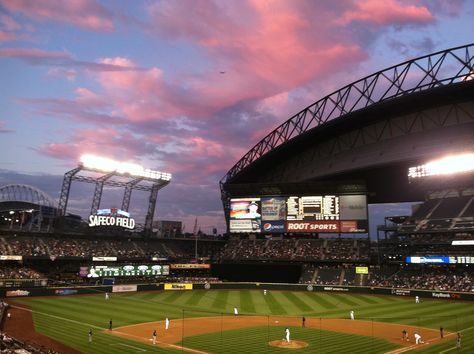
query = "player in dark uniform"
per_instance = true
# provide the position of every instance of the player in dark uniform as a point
(303, 322)
(110, 325)
(90, 335)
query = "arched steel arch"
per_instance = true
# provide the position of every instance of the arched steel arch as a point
(429, 71)
(25, 193)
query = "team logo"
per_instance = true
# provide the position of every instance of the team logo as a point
(267, 226)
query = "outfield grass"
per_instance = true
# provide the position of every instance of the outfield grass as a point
(68, 319)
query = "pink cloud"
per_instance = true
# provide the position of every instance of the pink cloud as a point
(387, 12)
(32, 54)
(8, 23)
(87, 14)
(3, 127)
(109, 142)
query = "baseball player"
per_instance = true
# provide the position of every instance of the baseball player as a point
(110, 325)
(458, 340)
(236, 312)
(154, 336)
(417, 299)
(265, 292)
(106, 296)
(418, 339)
(441, 332)
(352, 315)
(404, 335)
(167, 323)
(303, 322)
(90, 335)
(287, 335)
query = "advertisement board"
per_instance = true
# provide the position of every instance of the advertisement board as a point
(180, 286)
(362, 270)
(124, 288)
(440, 259)
(190, 266)
(313, 226)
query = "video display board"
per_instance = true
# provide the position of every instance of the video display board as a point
(129, 270)
(245, 215)
(440, 259)
(317, 213)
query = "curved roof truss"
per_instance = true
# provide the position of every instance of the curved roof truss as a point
(433, 70)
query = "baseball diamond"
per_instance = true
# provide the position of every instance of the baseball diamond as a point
(202, 321)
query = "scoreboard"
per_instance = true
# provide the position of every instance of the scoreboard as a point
(129, 270)
(303, 213)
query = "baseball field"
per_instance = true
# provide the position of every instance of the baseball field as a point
(202, 321)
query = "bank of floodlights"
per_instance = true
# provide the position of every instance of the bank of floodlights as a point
(446, 166)
(126, 168)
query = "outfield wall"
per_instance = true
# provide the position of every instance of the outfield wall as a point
(7, 293)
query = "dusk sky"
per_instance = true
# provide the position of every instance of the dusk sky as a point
(187, 86)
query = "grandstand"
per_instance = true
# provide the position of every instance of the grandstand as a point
(306, 193)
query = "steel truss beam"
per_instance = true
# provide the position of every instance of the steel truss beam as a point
(446, 67)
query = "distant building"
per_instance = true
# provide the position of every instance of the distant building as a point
(167, 228)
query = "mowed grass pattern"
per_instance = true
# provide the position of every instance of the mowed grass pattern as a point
(68, 319)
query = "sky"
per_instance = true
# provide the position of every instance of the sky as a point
(188, 86)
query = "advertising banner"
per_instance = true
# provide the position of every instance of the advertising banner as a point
(274, 226)
(63, 292)
(190, 266)
(183, 286)
(354, 226)
(362, 270)
(245, 225)
(13, 293)
(123, 288)
(273, 209)
(313, 226)
(104, 259)
(10, 258)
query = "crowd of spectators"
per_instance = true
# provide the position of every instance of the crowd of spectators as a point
(9, 272)
(441, 279)
(340, 274)
(297, 249)
(105, 247)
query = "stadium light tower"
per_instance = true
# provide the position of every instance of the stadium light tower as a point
(137, 175)
(448, 165)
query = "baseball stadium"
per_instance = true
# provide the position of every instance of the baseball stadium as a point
(301, 268)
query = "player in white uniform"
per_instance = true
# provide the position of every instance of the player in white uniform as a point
(154, 336)
(236, 312)
(265, 292)
(287, 335)
(417, 299)
(352, 315)
(167, 323)
(106, 296)
(418, 339)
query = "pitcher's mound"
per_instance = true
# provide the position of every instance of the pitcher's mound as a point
(294, 344)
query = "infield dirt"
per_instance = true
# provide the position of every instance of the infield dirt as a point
(204, 325)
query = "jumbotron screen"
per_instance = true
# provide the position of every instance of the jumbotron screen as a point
(311, 214)
(128, 270)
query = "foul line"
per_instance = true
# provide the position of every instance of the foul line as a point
(130, 346)
(191, 350)
(54, 316)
